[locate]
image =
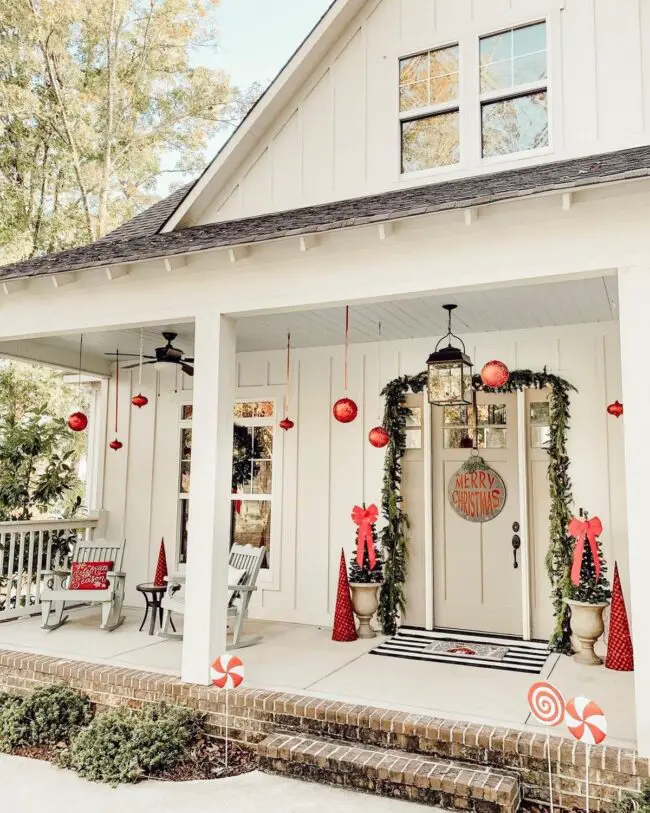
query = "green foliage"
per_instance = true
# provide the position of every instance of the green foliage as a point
(634, 802)
(394, 536)
(122, 746)
(592, 589)
(365, 574)
(47, 716)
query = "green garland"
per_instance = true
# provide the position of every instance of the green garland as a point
(394, 536)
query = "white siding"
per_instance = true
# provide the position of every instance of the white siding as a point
(339, 136)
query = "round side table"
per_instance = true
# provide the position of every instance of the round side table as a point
(153, 595)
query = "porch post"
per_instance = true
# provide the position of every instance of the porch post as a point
(206, 593)
(634, 295)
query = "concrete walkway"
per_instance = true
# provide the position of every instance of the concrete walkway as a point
(31, 785)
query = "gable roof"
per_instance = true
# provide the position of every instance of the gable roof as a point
(388, 206)
(152, 219)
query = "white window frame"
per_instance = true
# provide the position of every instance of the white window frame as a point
(516, 92)
(430, 111)
(268, 578)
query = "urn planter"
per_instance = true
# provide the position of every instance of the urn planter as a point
(587, 625)
(365, 601)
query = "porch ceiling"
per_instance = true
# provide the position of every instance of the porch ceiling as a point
(567, 302)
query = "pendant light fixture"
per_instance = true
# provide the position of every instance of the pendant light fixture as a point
(345, 410)
(78, 421)
(140, 400)
(449, 370)
(286, 423)
(116, 444)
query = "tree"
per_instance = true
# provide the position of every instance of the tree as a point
(93, 93)
(365, 574)
(592, 589)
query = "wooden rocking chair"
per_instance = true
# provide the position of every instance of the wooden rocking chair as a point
(55, 593)
(242, 557)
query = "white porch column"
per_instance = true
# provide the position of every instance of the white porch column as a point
(206, 594)
(634, 296)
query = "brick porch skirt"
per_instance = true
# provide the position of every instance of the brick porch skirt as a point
(256, 713)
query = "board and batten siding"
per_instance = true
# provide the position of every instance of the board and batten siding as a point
(339, 135)
(329, 467)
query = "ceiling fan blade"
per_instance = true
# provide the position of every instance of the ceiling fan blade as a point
(125, 355)
(187, 369)
(188, 360)
(133, 366)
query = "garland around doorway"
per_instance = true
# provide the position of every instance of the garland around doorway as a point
(394, 536)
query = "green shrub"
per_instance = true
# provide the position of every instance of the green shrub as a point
(635, 802)
(122, 746)
(46, 716)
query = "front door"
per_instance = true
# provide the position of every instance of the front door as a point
(476, 586)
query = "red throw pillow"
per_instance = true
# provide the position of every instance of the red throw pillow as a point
(89, 575)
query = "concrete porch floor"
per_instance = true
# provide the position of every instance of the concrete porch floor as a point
(304, 659)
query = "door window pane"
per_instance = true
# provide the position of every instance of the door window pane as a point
(251, 524)
(540, 419)
(515, 125)
(183, 523)
(491, 432)
(430, 142)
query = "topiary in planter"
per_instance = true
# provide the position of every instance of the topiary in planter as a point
(121, 746)
(47, 716)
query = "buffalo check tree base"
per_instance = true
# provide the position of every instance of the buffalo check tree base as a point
(257, 714)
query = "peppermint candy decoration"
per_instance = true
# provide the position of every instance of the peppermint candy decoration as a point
(585, 720)
(546, 703)
(227, 672)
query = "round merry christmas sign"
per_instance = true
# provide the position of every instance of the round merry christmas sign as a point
(477, 492)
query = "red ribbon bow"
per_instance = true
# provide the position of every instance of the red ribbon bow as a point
(365, 518)
(582, 530)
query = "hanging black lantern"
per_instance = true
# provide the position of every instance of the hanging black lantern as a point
(450, 371)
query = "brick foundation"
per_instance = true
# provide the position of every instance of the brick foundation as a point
(257, 713)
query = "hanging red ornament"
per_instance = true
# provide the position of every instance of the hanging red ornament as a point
(78, 421)
(615, 409)
(495, 374)
(139, 400)
(286, 424)
(345, 410)
(116, 445)
(379, 437)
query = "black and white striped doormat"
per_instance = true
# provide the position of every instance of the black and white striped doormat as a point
(466, 649)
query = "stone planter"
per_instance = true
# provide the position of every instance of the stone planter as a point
(587, 626)
(365, 601)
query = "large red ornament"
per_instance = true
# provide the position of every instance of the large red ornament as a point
(379, 437)
(139, 400)
(345, 410)
(495, 374)
(615, 409)
(116, 445)
(78, 421)
(286, 424)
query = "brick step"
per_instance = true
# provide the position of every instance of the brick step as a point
(431, 781)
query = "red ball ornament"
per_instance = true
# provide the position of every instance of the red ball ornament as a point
(78, 421)
(286, 424)
(116, 445)
(345, 410)
(495, 374)
(139, 400)
(379, 437)
(615, 409)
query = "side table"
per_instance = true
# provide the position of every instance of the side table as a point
(153, 595)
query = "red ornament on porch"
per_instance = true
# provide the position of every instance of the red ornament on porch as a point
(495, 374)
(345, 410)
(615, 409)
(139, 400)
(116, 445)
(161, 567)
(379, 437)
(620, 655)
(286, 424)
(78, 421)
(344, 627)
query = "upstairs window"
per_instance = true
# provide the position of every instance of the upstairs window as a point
(429, 121)
(514, 91)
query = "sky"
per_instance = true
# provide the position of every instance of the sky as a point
(257, 37)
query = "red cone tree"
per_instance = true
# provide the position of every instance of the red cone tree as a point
(161, 567)
(344, 627)
(620, 655)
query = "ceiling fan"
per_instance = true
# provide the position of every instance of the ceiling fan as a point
(167, 354)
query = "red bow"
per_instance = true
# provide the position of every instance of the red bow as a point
(365, 518)
(585, 529)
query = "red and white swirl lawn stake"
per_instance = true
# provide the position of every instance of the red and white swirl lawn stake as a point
(227, 672)
(548, 708)
(586, 722)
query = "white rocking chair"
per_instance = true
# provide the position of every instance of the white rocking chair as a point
(242, 557)
(55, 592)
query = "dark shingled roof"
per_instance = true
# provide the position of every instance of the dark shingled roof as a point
(422, 200)
(152, 219)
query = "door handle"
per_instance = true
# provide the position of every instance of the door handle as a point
(516, 543)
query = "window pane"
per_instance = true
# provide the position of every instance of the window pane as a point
(529, 68)
(513, 58)
(263, 442)
(251, 525)
(496, 48)
(455, 415)
(540, 413)
(497, 76)
(430, 142)
(186, 444)
(443, 89)
(241, 457)
(186, 412)
(530, 39)
(430, 78)
(453, 438)
(515, 125)
(413, 69)
(185, 478)
(443, 62)
(495, 438)
(414, 95)
(254, 409)
(262, 477)
(539, 436)
(183, 522)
